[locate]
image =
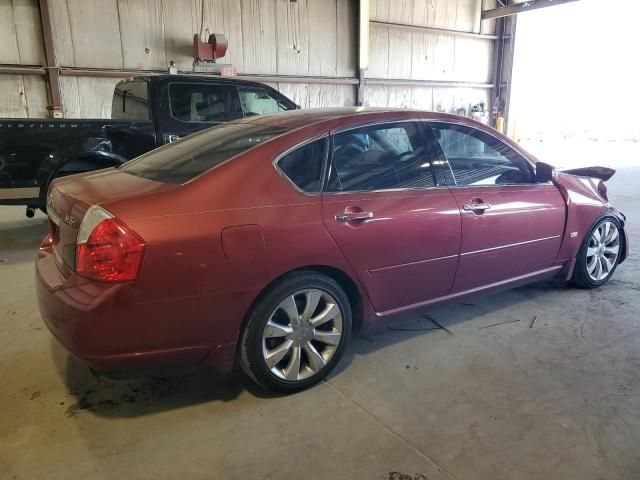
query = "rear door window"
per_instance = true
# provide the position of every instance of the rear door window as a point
(187, 158)
(201, 102)
(303, 166)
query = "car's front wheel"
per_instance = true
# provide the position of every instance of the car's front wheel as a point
(599, 255)
(296, 333)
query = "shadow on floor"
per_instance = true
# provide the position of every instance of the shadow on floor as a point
(20, 239)
(106, 397)
(134, 397)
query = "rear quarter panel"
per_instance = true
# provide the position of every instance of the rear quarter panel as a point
(196, 288)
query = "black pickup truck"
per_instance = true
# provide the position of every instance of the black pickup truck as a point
(147, 112)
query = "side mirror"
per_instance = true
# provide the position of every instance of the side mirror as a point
(544, 172)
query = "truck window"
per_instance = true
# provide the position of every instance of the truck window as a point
(258, 101)
(187, 158)
(130, 101)
(198, 102)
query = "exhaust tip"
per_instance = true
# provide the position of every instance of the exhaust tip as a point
(30, 212)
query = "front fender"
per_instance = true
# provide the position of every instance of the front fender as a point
(585, 207)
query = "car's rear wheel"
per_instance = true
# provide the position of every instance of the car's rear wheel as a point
(296, 333)
(599, 254)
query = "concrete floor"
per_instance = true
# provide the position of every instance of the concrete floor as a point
(557, 401)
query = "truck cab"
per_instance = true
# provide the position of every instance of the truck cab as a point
(182, 104)
(147, 112)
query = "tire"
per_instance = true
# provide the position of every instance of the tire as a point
(282, 321)
(585, 273)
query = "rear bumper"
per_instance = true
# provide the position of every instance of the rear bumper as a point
(105, 325)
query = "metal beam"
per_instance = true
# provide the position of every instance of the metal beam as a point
(363, 24)
(22, 69)
(296, 79)
(495, 107)
(55, 109)
(445, 31)
(522, 7)
(124, 73)
(426, 83)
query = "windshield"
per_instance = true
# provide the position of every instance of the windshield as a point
(185, 159)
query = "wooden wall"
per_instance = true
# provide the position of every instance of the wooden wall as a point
(273, 37)
(21, 43)
(399, 53)
(307, 37)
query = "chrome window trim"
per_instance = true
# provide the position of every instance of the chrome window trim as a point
(347, 128)
(502, 185)
(291, 149)
(389, 190)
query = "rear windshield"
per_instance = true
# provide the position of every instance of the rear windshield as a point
(185, 159)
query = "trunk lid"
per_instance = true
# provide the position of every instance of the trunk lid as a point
(70, 197)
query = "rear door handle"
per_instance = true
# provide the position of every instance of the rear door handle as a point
(353, 216)
(471, 207)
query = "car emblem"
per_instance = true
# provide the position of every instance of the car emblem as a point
(69, 220)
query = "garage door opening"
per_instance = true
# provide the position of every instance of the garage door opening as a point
(575, 97)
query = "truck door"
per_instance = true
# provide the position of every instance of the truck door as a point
(186, 107)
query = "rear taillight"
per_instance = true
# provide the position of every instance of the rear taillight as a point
(47, 242)
(107, 250)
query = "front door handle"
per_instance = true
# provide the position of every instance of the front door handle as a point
(353, 216)
(473, 207)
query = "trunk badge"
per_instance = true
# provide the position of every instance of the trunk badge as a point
(69, 220)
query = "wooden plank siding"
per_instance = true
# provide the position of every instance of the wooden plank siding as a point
(21, 43)
(271, 37)
(413, 54)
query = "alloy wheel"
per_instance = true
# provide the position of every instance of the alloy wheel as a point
(603, 251)
(302, 334)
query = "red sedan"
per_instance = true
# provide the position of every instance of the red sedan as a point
(267, 241)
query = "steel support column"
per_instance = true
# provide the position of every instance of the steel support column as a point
(362, 49)
(55, 109)
(502, 71)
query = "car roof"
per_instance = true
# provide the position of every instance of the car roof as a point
(294, 119)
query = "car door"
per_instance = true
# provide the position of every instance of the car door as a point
(397, 227)
(511, 225)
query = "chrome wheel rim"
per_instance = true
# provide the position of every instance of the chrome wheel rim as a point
(602, 251)
(302, 335)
